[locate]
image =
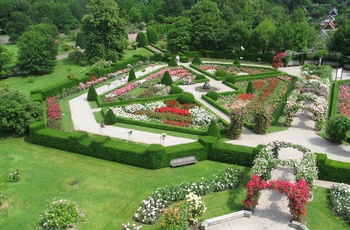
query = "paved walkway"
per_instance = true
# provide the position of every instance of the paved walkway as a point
(272, 211)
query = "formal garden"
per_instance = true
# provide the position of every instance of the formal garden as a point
(208, 82)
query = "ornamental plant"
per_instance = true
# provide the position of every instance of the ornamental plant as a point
(237, 63)
(231, 79)
(250, 88)
(176, 218)
(337, 128)
(132, 75)
(54, 113)
(166, 79)
(185, 97)
(61, 214)
(196, 60)
(196, 207)
(277, 60)
(213, 130)
(110, 117)
(237, 117)
(262, 120)
(175, 90)
(92, 94)
(339, 201)
(213, 95)
(172, 62)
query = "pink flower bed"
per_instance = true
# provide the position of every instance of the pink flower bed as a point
(344, 100)
(88, 84)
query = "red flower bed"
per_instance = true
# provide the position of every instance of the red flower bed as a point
(258, 84)
(178, 111)
(246, 96)
(176, 123)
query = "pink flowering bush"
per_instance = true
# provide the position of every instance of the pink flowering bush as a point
(54, 113)
(93, 81)
(344, 100)
(277, 60)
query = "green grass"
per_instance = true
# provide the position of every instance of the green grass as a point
(139, 51)
(109, 193)
(320, 216)
(63, 68)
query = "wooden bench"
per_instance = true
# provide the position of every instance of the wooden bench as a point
(183, 161)
(293, 63)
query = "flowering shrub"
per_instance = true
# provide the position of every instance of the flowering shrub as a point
(61, 214)
(277, 60)
(93, 81)
(14, 176)
(236, 125)
(129, 226)
(54, 113)
(344, 100)
(297, 193)
(196, 207)
(262, 120)
(150, 209)
(176, 218)
(339, 200)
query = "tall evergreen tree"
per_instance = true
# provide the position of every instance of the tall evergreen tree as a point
(105, 33)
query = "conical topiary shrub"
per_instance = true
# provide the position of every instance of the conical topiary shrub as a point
(166, 79)
(110, 118)
(196, 60)
(132, 75)
(237, 63)
(92, 95)
(250, 88)
(213, 130)
(172, 63)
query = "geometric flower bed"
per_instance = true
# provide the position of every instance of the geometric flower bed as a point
(344, 99)
(339, 200)
(150, 209)
(233, 70)
(150, 85)
(268, 93)
(169, 112)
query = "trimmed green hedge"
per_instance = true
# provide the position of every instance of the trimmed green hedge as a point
(331, 170)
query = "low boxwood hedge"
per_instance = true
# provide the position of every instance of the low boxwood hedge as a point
(331, 170)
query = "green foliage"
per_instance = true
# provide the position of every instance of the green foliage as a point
(80, 40)
(213, 95)
(17, 25)
(332, 170)
(196, 60)
(77, 56)
(213, 130)
(323, 71)
(237, 63)
(231, 79)
(250, 88)
(176, 218)
(172, 62)
(141, 39)
(66, 30)
(92, 94)
(61, 214)
(166, 79)
(14, 176)
(184, 59)
(152, 35)
(5, 60)
(17, 111)
(37, 53)
(46, 29)
(105, 34)
(175, 90)
(110, 118)
(132, 75)
(185, 97)
(337, 128)
(200, 77)
(221, 73)
(179, 37)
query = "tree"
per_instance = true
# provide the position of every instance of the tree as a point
(105, 33)
(5, 59)
(80, 40)
(17, 25)
(172, 8)
(17, 111)
(250, 88)
(36, 53)
(179, 37)
(337, 127)
(45, 29)
(240, 36)
(135, 15)
(166, 79)
(209, 31)
(110, 117)
(152, 35)
(132, 75)
(341, 39)
(264, 34)
(141, 39)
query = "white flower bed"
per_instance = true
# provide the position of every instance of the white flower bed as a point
(340, 200)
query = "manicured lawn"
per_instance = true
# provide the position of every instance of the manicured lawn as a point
(139, 51)
(108, 192)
